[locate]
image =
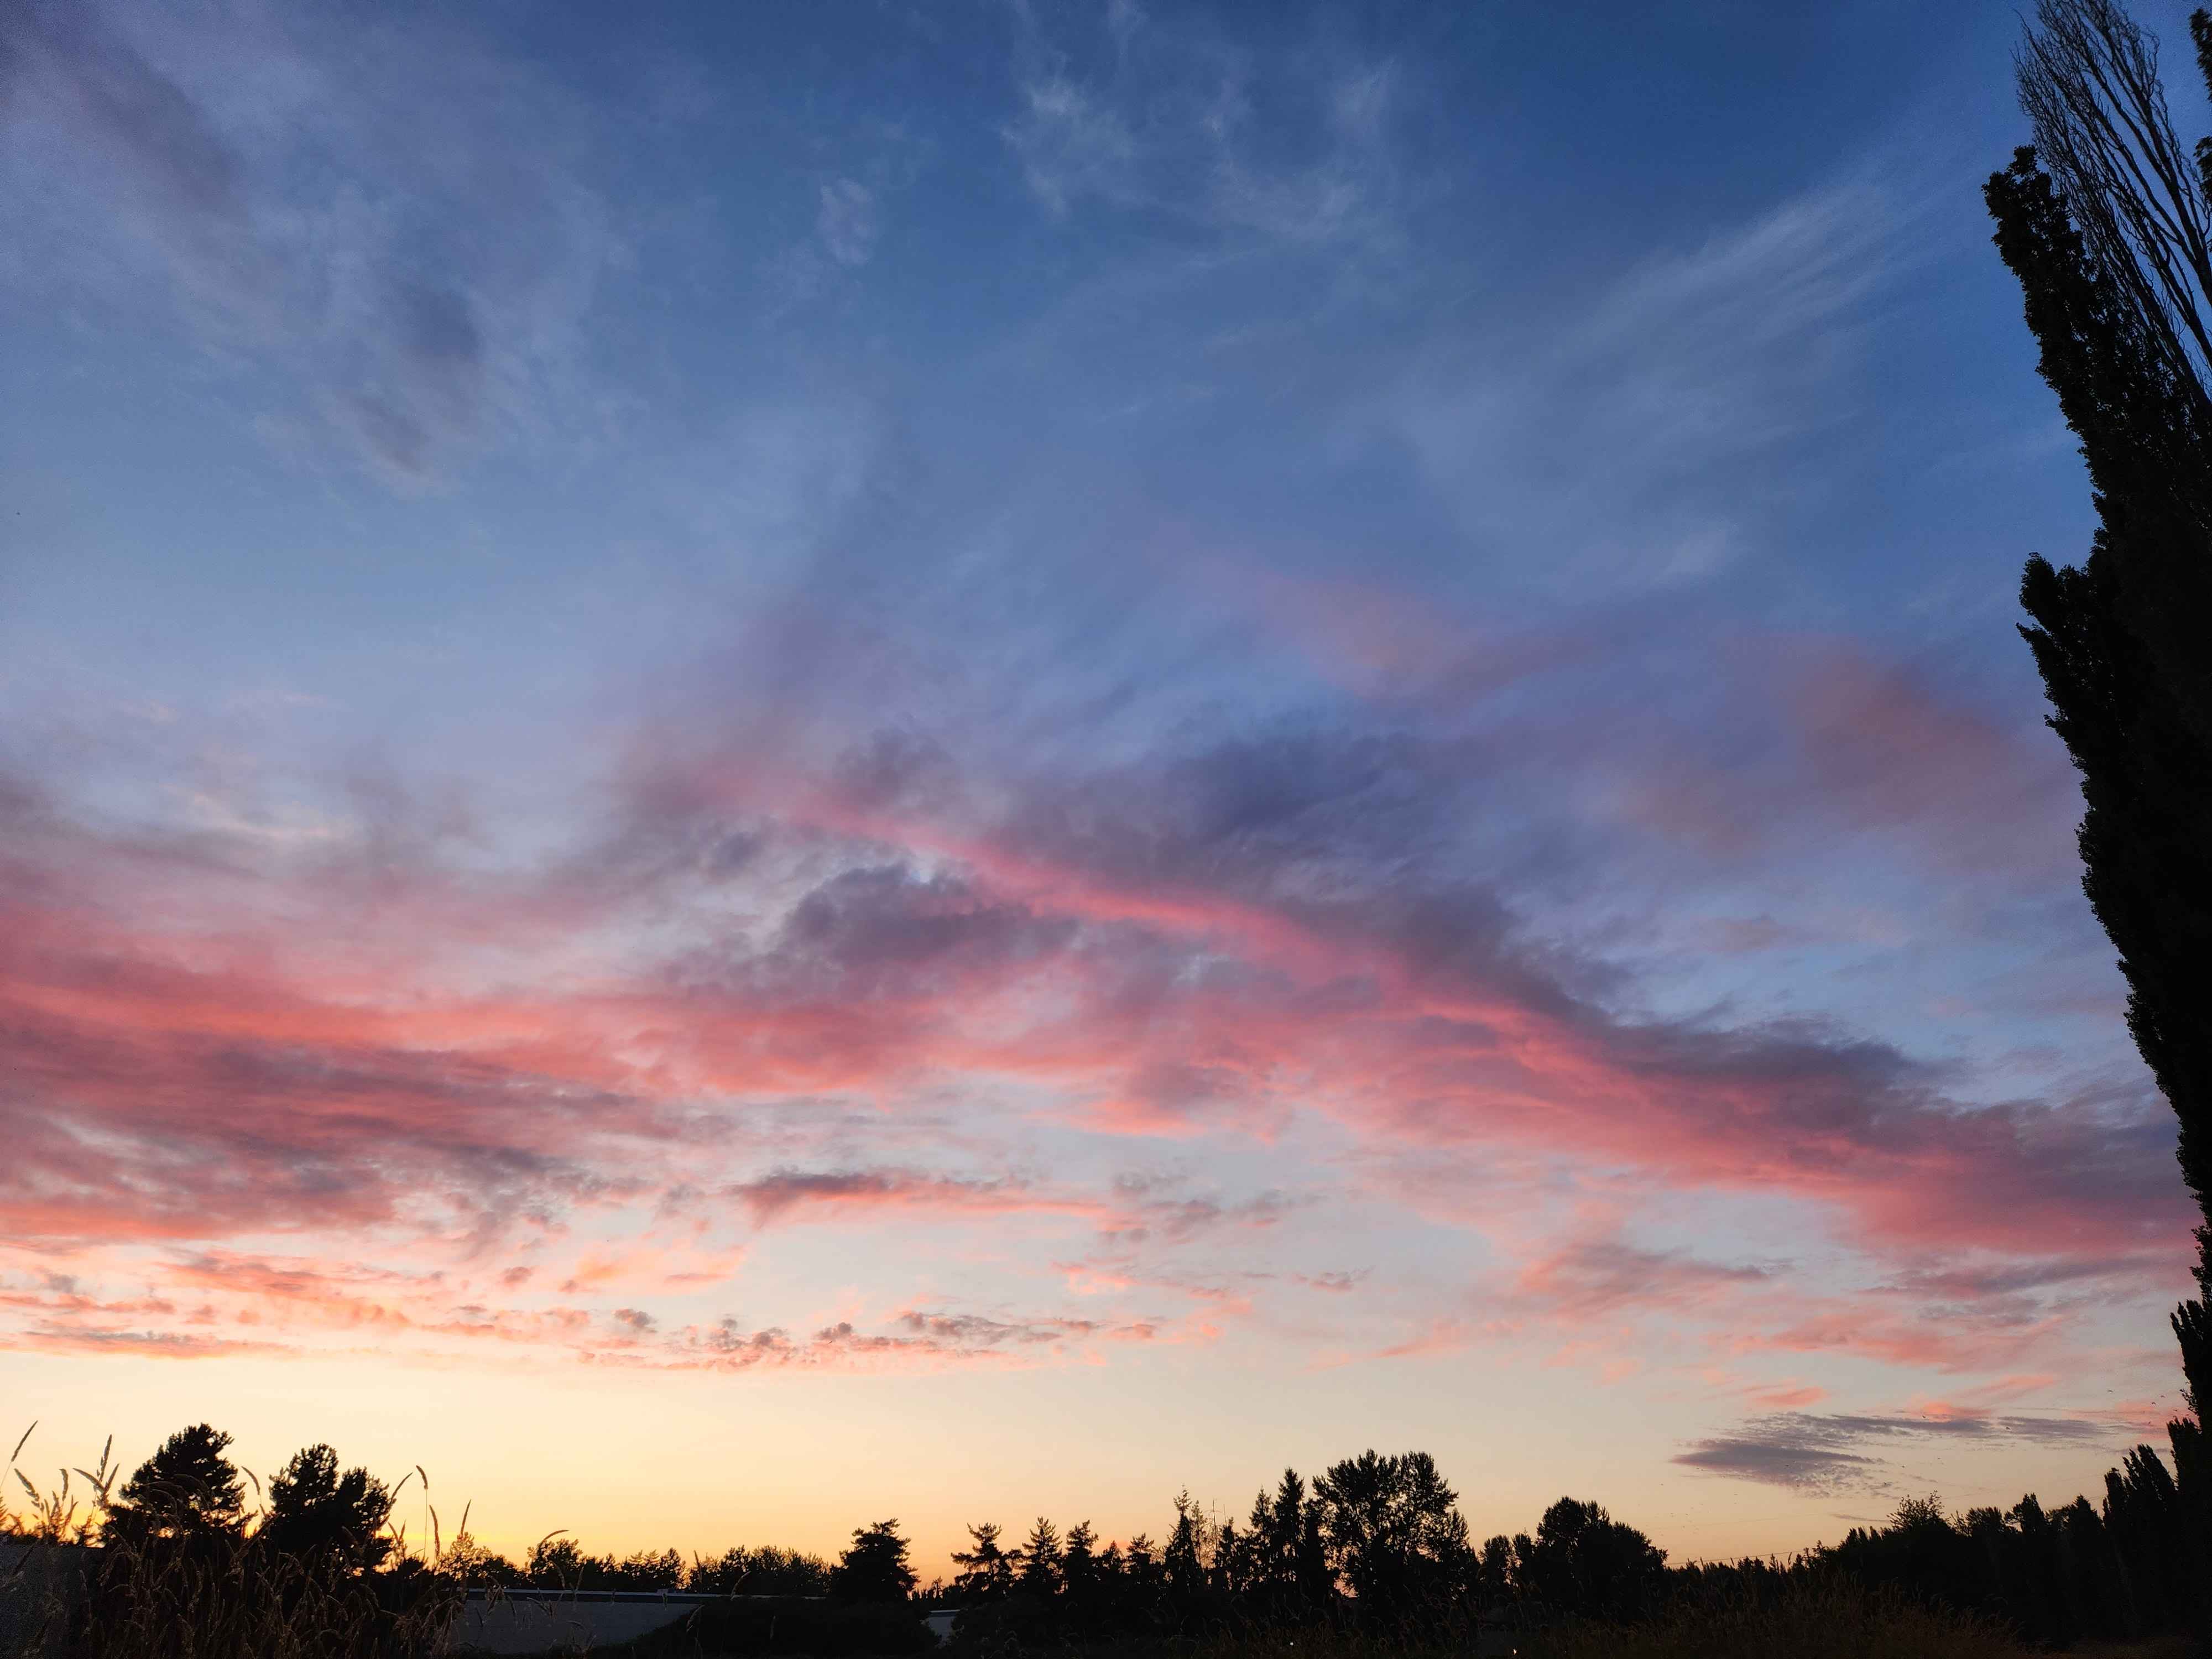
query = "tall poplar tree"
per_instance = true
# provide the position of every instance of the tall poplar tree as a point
(2107, 223)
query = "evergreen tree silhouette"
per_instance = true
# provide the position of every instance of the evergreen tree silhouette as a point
(1229, 1570)
(1082, 1571)
(1181, 1563)
(985, 1573)
(1316, 1580)
(2107, 225)
(1279, 1524)
(314, 1510)
(188, 1489)
(1265, 1580)
(874, 1566)
(1039, 1561)
(1141, 1569)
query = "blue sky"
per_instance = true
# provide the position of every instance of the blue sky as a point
(1114, 698)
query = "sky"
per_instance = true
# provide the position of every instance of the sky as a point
(767, 766)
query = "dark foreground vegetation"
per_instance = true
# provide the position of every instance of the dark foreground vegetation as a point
(1372, 1554)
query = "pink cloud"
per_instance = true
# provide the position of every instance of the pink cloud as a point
(213, 1045)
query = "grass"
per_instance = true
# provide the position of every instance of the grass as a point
(215, 1597)
(1833, 1617)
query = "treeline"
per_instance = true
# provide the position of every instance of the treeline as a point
(1379, 1541)
(874, 1567)
(2118, 1571)
(1374, 1540)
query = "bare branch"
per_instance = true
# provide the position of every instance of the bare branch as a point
(2089, 82)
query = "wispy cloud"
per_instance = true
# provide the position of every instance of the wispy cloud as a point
(864, 934)
(847, 221)
(1162, 114)
(387, 226)
(1618, 436)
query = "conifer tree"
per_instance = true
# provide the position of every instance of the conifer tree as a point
(874, 1566)
(1080, 1565)
(1180, 1560)
(1281, 1530)
(1142, 1567)
(986, 1573)
(1316, 1581)
(1229, 1568)
(1262, 1573)
(188, 1489)
(316, 1511)
(1039, 1559)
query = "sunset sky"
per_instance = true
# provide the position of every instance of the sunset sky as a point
(767, 765)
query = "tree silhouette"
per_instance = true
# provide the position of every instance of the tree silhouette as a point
(1278, 1528)
(188, 1489)
(315, 1511)
(1115, 1581)
(556, 1562)
(1180, 1563)
(1231, 1568)
(1497, 1578)
(985, 1573)
(466, 1562)
(767, 1571)
(1317, 1578)
(1040, 1560)
(1082, 1572)
(2105, 223)
(874, 1566)
(1393, 1534)
(1141, 1569)
(648, 1570)
(1583, 1561)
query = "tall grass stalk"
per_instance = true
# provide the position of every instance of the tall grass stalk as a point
(69, 1592)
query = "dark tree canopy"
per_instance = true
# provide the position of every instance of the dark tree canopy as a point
(986, 1573)
(466, 1561)
(874, 1566)
(1080, 1572)
(1180, 1562)
(189, 1488)
(1393, 1532)
(316, 1511)
(1041, 1560)
(765, 1571)
(556, 1562)
(1583, 1561)
(649, 1570)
